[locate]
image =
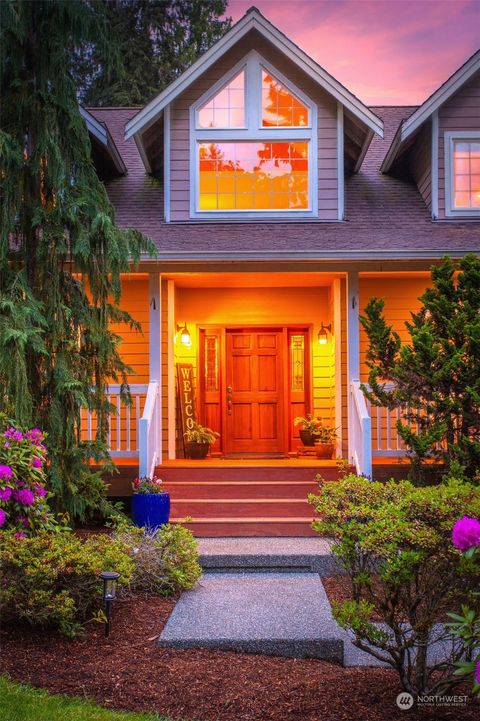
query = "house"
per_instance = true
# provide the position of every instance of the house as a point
(279, 204)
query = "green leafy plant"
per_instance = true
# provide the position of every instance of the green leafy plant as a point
(166, 559)
(51, 579)
(325, 434)
(201, 434)
(147, 484)
(309, 423)
(393, 541)
(434, 378)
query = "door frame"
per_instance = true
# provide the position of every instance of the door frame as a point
(286, 330)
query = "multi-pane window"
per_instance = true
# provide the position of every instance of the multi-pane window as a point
(227, 108)
(253, 145)
(280, 107)
(466, 175)
(253, 176)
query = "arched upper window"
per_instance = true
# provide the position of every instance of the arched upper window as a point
(253, 145)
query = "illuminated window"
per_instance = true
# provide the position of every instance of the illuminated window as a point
(466, 175)
(280, 107)
(227, 108)
(253, 146)
(253, 176)
(211, 363)
(297, 358)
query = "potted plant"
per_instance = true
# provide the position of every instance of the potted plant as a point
(198, 440)
(150, 502)
(309, 425)
(325, 437)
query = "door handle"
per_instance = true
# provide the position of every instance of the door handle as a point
(229, 400)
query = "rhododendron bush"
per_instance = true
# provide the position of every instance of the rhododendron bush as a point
(23, 494)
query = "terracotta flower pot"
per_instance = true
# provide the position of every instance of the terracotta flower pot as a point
(197, 450)
(324, 450)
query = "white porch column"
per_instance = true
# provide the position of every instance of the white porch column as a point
(155, 348)
(353, 351)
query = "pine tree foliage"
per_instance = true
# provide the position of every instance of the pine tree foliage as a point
(156, 39)
(436, 375)
(61, 254)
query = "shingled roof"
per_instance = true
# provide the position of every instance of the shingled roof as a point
(386, 216)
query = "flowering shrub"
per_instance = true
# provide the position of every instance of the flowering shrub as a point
(51, 579)
(145, 484)
(23, 496)
(394, 543)
(466, 537)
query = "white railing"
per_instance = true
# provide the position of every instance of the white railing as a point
(123, 437)
(149, 431)
(361, 430)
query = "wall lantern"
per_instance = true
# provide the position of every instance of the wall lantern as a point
(323, 333)
(109, 593)
(185, 336)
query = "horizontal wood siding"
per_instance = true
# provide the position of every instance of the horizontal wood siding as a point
(327, 127)
(421, 163)
(461, 112)
(134, 344)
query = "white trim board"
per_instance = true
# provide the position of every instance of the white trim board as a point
(253, 20)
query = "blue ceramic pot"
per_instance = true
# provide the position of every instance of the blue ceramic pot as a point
(150, 510)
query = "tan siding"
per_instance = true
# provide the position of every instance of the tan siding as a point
(461, 112)
(327, 126)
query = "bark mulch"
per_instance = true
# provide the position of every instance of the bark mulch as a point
(129, 671)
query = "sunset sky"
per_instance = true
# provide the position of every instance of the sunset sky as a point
(388, 52)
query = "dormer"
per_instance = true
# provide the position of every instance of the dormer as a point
(254, 129)
(439, 146)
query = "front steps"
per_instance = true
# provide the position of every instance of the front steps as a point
(235, 500)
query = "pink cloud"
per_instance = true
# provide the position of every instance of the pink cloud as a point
(391, 52)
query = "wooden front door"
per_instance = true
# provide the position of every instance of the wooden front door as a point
(254, 391)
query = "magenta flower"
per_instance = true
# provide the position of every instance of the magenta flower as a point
(5, 472)
(13, 434)
(5, 494)
(3, 517)
(23, 520)
(20, 534)
(39, 490)
(37, 462)
(466, 533)
(25, 496)
(477, 672)
(35, 435)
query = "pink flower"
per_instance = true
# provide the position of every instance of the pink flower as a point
(37, 462)
(466, 533)
(5, 472)
(13, 434)
(25, 496)
(477, 672)
(23, 520)
(20, 534)
(35, 435)
(39, 490)
(5, 494)
(3, 517)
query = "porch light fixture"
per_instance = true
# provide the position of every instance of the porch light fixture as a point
(323, 333)
(109, 594)
(185, 336)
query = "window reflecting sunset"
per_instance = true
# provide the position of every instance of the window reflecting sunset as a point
(253, 176)
(227, 108)
(466, 163)
(280, 108)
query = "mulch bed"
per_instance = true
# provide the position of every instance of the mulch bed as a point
(129, 671)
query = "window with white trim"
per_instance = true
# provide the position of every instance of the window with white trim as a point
(462, 170)
(253, 146)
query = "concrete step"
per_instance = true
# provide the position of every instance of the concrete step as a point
(205, 508)
(240, 489)
(285, 555)
(254, 526)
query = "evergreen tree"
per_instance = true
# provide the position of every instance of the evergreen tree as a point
(157, 40)
(61, 254)
(436, 375)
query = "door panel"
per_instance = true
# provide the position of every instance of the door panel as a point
(254, 390)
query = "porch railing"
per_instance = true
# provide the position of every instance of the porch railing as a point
(123, 435)
(149, 431)
(361, 430)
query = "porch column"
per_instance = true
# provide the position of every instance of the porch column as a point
(353, 353)
(155, 347)
(171, 403)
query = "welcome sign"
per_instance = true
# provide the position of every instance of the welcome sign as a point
(186, 396)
